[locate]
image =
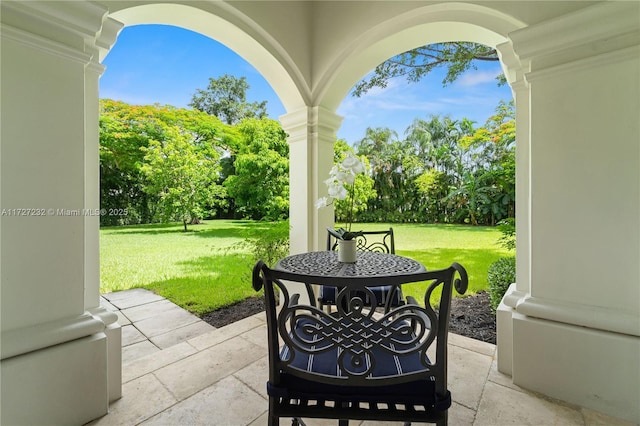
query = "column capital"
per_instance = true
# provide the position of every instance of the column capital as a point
(310, 122)
(81, 31)
(601, 28)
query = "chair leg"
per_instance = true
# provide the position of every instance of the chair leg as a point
(343, 422)
(444, 420)
(273, 420)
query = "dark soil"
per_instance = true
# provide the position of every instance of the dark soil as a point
(471, 316)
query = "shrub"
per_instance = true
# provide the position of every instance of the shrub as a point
(500, 275)
(508, 229)
(268, 243)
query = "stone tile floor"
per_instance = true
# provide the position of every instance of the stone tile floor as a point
(179, 370)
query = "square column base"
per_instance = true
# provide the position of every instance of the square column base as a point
(61, 384)
(591, 368)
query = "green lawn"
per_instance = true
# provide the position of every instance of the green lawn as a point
(202, 269)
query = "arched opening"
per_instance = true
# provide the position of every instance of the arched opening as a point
(434, 25)
(211, 24)
(159, 280)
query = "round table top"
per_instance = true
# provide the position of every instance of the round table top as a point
(325, 264)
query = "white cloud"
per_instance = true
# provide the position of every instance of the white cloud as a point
(476, 77)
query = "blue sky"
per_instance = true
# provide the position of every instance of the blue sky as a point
(160, 64)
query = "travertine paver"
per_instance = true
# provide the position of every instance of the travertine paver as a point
(472, 344)
(501, 405)
(258, 336)
(227, 402)
(181, 334)
(141, 399)
(219, 335)
(137, 350)
(133, 297)
(192, 374)
(148, 310)
(468, 371)
(170, 320)
(255, 376)
(131, 335)
(153, 362)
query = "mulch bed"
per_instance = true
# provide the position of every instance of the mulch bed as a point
(471, 316)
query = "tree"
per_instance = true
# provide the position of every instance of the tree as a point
(260, 186)
(125, 132)
(182, 175)
(226, 98)
(493, 147)
(414, 64)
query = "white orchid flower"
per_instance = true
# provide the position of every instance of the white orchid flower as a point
(338, 191)
(353, 163)
(322, 202)
(343, 176)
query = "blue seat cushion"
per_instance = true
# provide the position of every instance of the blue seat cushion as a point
(385, 365)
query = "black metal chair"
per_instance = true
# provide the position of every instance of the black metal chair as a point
(357, 363)
(373, 241)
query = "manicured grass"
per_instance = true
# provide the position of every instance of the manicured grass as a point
(200, 270)
(204, 269)
(437, 246)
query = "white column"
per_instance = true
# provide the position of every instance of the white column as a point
(576, 331)
(515, 72)
(97, 48)
(54, 351)
(312, 133)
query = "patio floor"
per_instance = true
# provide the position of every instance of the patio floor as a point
(179, 370)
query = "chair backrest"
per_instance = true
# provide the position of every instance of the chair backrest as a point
(375, 241)
(370, 348)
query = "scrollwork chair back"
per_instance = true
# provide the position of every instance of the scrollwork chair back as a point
(355, 363)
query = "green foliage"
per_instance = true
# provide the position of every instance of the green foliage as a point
(260, 185)
(226, 98)
(182, 176)
(507, 228)
(500, 275)
(268, 243)
(444, 171)
(414, 64)
(127, 132)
